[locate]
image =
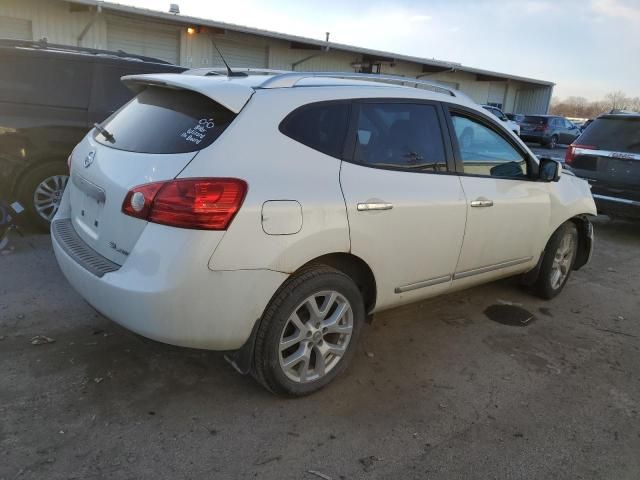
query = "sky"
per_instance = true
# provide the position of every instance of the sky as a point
(587, 47)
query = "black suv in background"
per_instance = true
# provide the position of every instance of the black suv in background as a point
(607, 154)
(548, 130)
(50, 96)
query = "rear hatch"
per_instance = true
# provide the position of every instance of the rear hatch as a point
(152, 138)
(533, 124)
(608, 155)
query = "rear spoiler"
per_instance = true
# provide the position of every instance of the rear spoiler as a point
(229, 94)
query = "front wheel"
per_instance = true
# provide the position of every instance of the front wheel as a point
(553, 142)
(308, 333)
(558, 260)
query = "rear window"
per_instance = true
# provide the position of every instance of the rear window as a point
(535, 120)
(163, 120)
(321, 126)
(616, 134)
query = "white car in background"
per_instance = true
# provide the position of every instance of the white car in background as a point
(510, 124)
(269, 215)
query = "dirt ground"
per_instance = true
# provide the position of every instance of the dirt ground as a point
(438, 390)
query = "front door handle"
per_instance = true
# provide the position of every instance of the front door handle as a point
(366, 207)
(482, 202)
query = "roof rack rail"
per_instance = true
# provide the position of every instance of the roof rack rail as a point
(44, 45)
(290, 79)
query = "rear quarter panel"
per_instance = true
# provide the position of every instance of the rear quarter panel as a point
(275, 168)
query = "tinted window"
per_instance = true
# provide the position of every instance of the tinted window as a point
(484, 152)
(400, 135)
(162, 120)
(109, 93)
(54, 81)
(618, 134)
(321, 126)
(534, 120)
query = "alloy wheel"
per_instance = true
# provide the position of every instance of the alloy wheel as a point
(316, 336)
(562, 260)
(48, 194)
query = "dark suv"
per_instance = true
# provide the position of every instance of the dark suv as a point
(50, 96)
(607, 154)
(548, 130)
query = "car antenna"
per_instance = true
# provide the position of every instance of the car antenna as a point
(230, 73)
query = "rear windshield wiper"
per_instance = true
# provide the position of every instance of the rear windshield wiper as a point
(105, 133)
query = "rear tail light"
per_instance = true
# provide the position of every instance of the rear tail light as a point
(198, 203)
(570, 156)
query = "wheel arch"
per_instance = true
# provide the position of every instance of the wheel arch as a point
(585, 247)
(585, 240)
(355, 268)
(351, 265)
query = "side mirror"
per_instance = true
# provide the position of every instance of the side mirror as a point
(549, 170)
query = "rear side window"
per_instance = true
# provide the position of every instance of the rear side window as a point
(163, 120)
(321, 126)
(404, 136)
(533, 120)
(53, 81)
(616, 134)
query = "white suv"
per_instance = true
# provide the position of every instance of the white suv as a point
(270, 215)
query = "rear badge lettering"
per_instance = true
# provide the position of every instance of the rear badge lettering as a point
(114, 246)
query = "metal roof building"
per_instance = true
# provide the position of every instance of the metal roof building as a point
(187, 41)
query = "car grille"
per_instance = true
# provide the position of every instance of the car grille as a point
(63, 232)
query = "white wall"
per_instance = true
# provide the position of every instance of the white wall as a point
(54, 20)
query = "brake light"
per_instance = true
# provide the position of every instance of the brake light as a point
(198, 203)
(570, 156)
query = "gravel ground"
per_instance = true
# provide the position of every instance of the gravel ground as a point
(438, 390)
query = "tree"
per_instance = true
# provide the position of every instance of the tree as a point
(617, 100)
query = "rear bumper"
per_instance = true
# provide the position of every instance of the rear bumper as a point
(165, 291)
(617, 206)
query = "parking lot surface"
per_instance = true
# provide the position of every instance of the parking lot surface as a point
(557, 153)
(437, 390)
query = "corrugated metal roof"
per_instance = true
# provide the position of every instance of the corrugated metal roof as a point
(184, 19)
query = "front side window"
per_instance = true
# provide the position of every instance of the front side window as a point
(321, 126)
(164, 120)
(485, 152)
(405, 136)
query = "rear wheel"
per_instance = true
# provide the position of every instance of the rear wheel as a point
(558, 260)
(308, 333)
(40, 192)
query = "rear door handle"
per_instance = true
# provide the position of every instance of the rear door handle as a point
(482, 202)
(366, 207)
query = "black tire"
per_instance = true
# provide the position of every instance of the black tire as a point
(553, 142)
(26, 190)
(266, 361)
(545, 286)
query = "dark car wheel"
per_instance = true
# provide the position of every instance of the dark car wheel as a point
(40, 192)
(553, 142)
(309, 331)
(557, 263)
